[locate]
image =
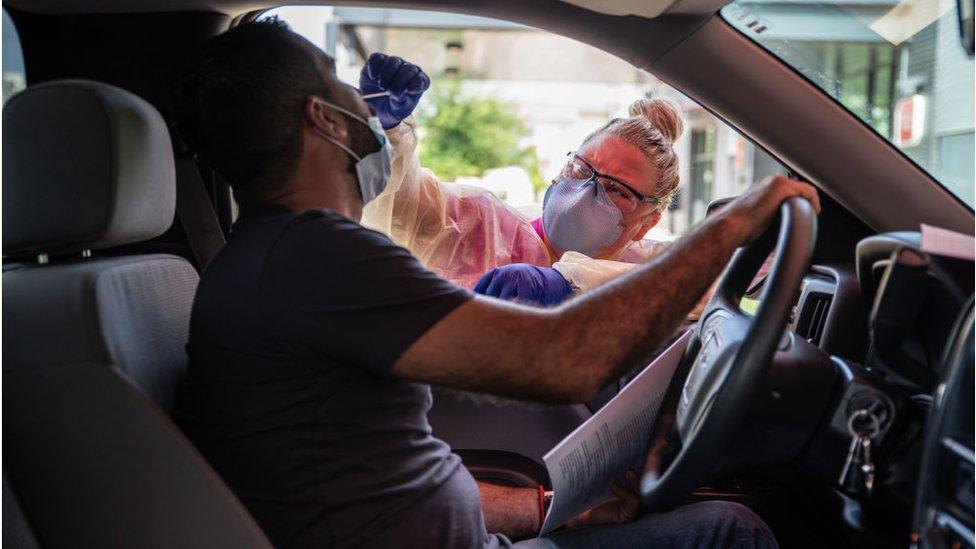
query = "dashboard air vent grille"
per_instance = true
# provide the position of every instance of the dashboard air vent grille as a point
(813, 316)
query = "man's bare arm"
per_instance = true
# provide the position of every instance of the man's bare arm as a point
(567, 353)
(509, 510)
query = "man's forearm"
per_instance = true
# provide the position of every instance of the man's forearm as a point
(510, 511)
(566, 354)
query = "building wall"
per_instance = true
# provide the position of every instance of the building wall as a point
(953, 116)
(934, 65)
(517, 54)
(953, 83)
(917, 75)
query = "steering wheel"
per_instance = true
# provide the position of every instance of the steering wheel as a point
(726, 360)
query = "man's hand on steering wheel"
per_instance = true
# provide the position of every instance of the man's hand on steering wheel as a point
(754, 209)
(730, 354)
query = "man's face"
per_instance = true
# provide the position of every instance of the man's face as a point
(361, 138)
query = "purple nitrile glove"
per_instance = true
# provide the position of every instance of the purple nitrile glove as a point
(524, 282)
(405, 81)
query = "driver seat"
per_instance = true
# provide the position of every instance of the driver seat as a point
(93, 348)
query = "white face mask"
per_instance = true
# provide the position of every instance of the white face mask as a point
(578, 216)
(373, 170)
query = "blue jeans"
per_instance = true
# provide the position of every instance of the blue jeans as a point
(717, 524)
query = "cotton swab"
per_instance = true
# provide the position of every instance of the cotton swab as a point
(375, 95)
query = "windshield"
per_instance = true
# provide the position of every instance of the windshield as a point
(899, 66)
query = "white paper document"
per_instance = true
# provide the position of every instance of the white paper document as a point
(598, 453)
(948, 243)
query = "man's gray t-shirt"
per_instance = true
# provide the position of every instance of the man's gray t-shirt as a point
(296, 325)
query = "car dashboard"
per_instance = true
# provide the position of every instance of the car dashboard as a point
(898, 324)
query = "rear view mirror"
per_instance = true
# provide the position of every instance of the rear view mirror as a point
(964, 8)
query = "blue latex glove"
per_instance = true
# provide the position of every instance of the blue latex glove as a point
(524, 282)
(405, 81)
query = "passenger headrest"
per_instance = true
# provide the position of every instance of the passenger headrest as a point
(85, 166)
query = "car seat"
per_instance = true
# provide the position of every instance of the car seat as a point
(93, 348)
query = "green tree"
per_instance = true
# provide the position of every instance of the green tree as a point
(464, 135)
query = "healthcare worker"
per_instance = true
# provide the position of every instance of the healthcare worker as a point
(612, 190)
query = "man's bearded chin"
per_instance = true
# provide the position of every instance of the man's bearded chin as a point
(362, 139)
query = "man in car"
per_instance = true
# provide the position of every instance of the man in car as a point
(313, 340)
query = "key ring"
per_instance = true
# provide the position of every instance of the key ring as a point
(875, 424)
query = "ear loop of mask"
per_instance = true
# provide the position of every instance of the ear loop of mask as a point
(339, 144)
(336, 142)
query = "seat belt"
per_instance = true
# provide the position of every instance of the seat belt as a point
(196, 213)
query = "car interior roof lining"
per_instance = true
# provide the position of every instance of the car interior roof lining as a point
(503, 9)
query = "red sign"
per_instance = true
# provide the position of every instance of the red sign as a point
(909, 121)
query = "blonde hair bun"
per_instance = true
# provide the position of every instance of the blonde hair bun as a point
(662, 114)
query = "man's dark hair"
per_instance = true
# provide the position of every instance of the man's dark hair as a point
(240, 105)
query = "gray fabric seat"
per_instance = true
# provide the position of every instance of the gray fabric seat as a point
(134, 312)
(93, 349)
(87, 167)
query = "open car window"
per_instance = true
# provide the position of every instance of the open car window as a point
(900, 66)
(521, 98)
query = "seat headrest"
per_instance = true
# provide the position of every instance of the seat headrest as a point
(86, 166)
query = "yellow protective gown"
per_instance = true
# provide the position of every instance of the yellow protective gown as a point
(461, 232)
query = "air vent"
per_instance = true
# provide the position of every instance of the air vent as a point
(813, 316)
